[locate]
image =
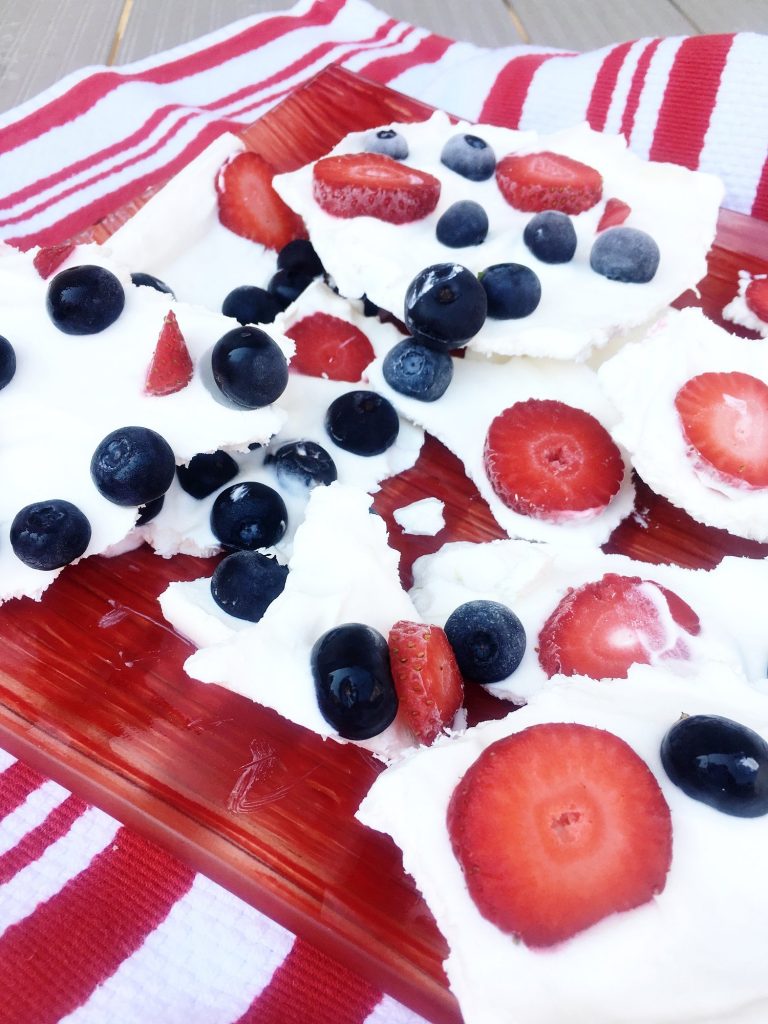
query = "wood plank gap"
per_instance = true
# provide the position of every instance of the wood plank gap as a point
(684, 14)
(517, 21)
(122, 25)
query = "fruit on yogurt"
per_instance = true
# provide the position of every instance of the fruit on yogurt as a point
(513, 291)
(50, 257)
(287, 285)
(302, 465)
(250, 304)
(470, 156)
(362, 422)
(7, 362)
(388, 142)
(300, 254)
(49, 534)
(533, 182)
(328, 346)
(133, 466)
(171, 367)
(756, 297)
(445, 304)
(463, 223)
(556, 827)
(427, 679)
(142, 280)
(84, 299)
(625, 254)
(551, 237)
(417, 370)
(487, 639)
(373, 185)
(249, 205)
(249, 515)
(245, 583)
(249, 367)
(615, 213)
(206, 473)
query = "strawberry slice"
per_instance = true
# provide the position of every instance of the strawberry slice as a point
(724, 418)
(249, 205)
(373, 185)
(556, 827)
(756, 297)
(551, 461)
(616, 212)
(429, 686)
(548, 181)
(603, 627)
(50, 258)
(171, 367)
(327, 346)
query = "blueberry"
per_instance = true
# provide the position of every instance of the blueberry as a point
(49, 534)
(245, 583)
(388, 142)
(133, 466)
(469, 156)
(142, 280)
(625, 254)
(84, 300)
(249, 515)
(249, 367)
(513, 290)
(369, 308)
(287, 285)
(150, 511)
(7, 362)
(417, 370)
(206, 473)
(249, 304)
(719, 762)
(551, 237)
(362, 422)
(446, 304)
(488, 640)
(353, 681)
(302, 465)
(299, 254)
(464, 223)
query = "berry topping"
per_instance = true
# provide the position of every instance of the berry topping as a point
(84, 300)
(427, 679)
(245, 583)
(353, 682)
(446, 304)
(287, 285)
(171, 367)
(249, 515)
(756, 297)
(552, 461)
(249, 205)
(133, 466)
(418, 371)
(602, 628)
(372, 185)
(719, 762)
(615, 213)
(551, 237)
(302, 465)
(49, 534)
(300, 255)
(50, 257)
(556, 827)
(388, 142)
(625, 254)
(206, 473)
(464, 223)
(548, 181)
(512, 290)
(488, 640)
(469, 156)
(142, 280)
(327, 346)
(150, 511)
(7, 362)
(249, 367)
(249, 304)
(362, 422)
(724, 418)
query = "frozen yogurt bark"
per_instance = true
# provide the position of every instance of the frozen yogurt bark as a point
(749, 307)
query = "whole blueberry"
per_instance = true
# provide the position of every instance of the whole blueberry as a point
(249, 367)
(206, 472)
(353, 681)
(84, 300)
(417, 370)
(249, 304)
(488, 640)
(302, 465)
(49, 534)
(551, 237)
(299, 254)
(150, 511)
(464, 223)
(287, 285)
(513, 290)
(249, 515)
(7, 362)
(446, 304)
(625, 254)
(469, 156)
(133, 466)
(362, 422)
(245, 583)
(388, 142)
(142, 280)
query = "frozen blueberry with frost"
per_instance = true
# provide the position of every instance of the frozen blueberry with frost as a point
(512, 289)
(7, 362)
(464, 223)
(418, 371)
(299, 254)
(84, 300)
(206, 472)
(302, 465)
(49, 534)
(287, 285)
(445, 304)
(249, 304)
(488, 640)
(362, 422)
(625, 254)
(551, 237)
(388, 142)
(133, 466)
(249, 367)
(142, 280)
(245, 583)
(249, 515)
(470, 156)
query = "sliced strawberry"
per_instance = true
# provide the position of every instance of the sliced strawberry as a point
(549, 460)
(249, 205)
(373, 185)
(603, 627)
(724, 418)
(171, 367)
(616, 212)
(558, 826)
(756, 297)
(327, 346)
(548, 181)
(50, 257)
(429, 686)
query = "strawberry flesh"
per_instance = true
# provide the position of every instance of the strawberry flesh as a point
(171, 367)
(756, 297)
(615, 213)
(535, 182)
(249, 205)
(373, 185)
(50, 257)
(429, 686)
(327, 346)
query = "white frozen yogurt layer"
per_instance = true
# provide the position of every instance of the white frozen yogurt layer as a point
(737, 309)
(422, 518)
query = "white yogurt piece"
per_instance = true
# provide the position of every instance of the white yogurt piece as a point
(422, 518)
(737, 309)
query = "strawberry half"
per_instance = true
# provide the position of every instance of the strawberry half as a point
(756, 297)
(171, 367)
(429, 686)
(556, 827)
(373, 185)
(604, 627)
(50, 258)
(549, 460)
(249, 205)
(615, 213)
(548, 181)
(327, 346)
(724, 418)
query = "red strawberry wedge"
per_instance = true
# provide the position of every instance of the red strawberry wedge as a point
(429, 686)
(171, 367)
(556, 827)
(548, 181)
(50, 258)
(249, 205)
(756, 297)
(724, 419)
(615, 213)
(327, 346)
(552, 461)
(373, 185)
(604, 627)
